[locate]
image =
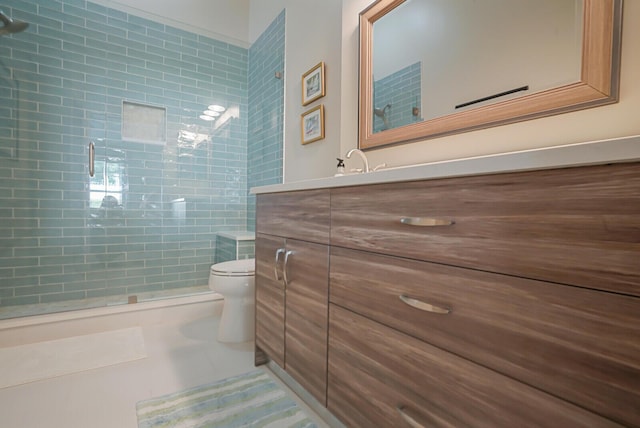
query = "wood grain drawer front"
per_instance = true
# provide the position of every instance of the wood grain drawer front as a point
(374, 370)
(302, 215)
(579, 344)
(307, 315)
(577, 226)
(270, 322)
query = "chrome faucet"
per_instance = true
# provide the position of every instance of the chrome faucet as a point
(365, 161)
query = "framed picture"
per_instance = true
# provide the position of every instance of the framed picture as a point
(313, 84)
(312, 125)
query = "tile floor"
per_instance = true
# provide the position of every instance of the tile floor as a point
(180, 356)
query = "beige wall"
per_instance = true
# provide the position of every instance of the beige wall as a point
(312, 35)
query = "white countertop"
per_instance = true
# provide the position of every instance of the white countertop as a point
(590, 153)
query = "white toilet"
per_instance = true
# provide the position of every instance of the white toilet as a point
(234, 280)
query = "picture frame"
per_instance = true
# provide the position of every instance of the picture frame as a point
(312, 125)
(313, 84)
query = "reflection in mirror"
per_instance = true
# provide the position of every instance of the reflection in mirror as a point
(453, 53)
(435, 67)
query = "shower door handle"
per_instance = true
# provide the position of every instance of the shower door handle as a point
(92, 158)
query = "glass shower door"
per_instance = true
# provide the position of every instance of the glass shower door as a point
(52, 251)
(109, 206)
(165, 180)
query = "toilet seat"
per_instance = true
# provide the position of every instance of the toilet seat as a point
(245, 267)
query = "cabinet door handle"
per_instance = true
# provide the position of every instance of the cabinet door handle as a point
(285, 269)
(426, 221)
(424, 306)
(275, 266)
(408, 419)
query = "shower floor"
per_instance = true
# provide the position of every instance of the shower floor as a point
(8, 312)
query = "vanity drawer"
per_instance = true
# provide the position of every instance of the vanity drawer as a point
(578, 226)
(578, 344)
(375, 370)
(303, 215)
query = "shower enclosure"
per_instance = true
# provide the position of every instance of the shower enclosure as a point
(123, 152)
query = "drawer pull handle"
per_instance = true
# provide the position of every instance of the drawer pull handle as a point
(408, 419)
(285, 269)
(424, 306)
(426, 221)
(275, 266)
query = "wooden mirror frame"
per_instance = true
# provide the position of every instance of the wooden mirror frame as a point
(598, 84)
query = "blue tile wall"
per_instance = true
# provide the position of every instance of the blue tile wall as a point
(231, 249)
(402, 91)
(225, 249)
(266, 111)
(62, 84)
(246, 250)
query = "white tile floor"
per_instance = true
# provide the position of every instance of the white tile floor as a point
(179, 356)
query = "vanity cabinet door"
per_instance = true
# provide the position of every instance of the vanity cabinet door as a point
(307, 279)
(292, 275)
(270, 299)
(379, 377)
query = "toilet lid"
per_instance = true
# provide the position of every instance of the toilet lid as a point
(245, 267)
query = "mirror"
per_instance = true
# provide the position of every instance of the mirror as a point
(430, 68)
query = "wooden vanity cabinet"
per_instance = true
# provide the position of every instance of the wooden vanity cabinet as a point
(496, 300)
(532, 275)
(292, 257)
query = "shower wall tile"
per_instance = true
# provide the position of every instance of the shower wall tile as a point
(63, 82)
(402, 91)
(246, 249)
(225, 249)
(17, 301)
(231, 249)
(265, 133)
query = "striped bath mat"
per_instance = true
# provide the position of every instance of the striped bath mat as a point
(249, 400)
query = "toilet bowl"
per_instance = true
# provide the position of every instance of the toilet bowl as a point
(234, 280)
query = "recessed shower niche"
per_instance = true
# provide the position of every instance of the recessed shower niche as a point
(144, 123)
